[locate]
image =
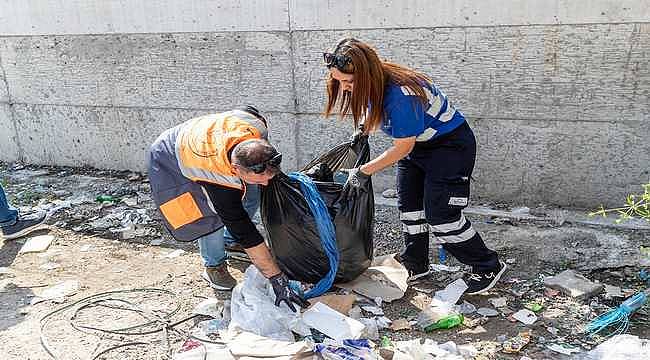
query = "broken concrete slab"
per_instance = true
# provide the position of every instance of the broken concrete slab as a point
(37, 244)
(573, 284)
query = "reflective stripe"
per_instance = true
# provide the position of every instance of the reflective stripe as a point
(210, 204)
(426, 135)
(181, 210)
(453, 226)
(448, 114)
(464, 236)
(203, 175)
(415, 229)
(251, 119)
(412, 215)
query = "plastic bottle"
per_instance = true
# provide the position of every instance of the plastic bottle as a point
(105, 198)
(447, 322)
(442, 255)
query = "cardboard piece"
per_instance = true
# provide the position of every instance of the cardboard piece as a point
(340, 303)
(385, 278)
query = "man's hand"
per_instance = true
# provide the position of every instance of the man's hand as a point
(284, 293)
(356, 184)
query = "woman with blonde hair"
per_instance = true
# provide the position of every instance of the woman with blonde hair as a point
(433, 147)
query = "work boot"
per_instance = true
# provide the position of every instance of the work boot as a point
(479, 283)
(236, 252)
(218, 277)
(24, 225)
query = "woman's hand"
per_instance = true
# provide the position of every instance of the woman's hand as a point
(401, 147)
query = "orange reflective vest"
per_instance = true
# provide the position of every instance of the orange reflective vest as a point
(197, 151)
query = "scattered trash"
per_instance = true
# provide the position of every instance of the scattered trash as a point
(175, 253)
(50, 266)
(105, 199)
(473, 331)
(85, 248)
(400, 324)
(441, 312)
(620, 347)
(613, 292)
(415, 349)
(212, 307)
(253, 310)
(246, 344)
(340, 303)
(346, 350)
(332, 323)
(156, 242)
(515, 344)
(618, 319)
(371, 329)
(466, 308)
(444, 268)
(373, 310)
(573, 284)
(130, 201)
(511, 261)
(58, 292)
(548, 292)
(37, 244)
(487, 312)
(389, 194)
(498, 302)
(354, 313)
(563, 348)
(534, 306)
(525, 316)
(385, 278)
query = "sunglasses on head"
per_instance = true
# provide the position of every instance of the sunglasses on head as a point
(261, 167)
(338, 61)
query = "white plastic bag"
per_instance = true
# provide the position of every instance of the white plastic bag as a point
(253, 310)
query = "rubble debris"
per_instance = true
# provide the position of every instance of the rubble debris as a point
(50, 265)
(58, 292)
(525, 316)
(487, 312)
(517, 343)
(212, 307)
(400, 324)
(563, 348)
(389, 194)
(466, 308)
(373, 310)
(175, 253)
(613, 292)
(38, 243)
(498, 302)
(385, 278)
(332, 323)
(573, 284)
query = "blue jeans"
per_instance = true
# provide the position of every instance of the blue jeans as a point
(8, 215)
(212, 246)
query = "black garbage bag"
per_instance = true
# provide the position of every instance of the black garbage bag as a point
(293, 236)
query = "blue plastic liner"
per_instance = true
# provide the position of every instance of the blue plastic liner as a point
(325, 229)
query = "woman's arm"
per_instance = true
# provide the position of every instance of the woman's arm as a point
(401, 147)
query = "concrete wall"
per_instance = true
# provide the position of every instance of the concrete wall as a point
(558, 92)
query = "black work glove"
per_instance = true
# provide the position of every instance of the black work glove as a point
(283, 292)
(356, 184)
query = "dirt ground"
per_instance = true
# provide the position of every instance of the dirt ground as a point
(91, 247)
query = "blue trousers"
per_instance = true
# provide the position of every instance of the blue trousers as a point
(212, 246)
(8, 215)
(433, 186)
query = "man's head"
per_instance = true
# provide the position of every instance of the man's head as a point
(255, 161)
